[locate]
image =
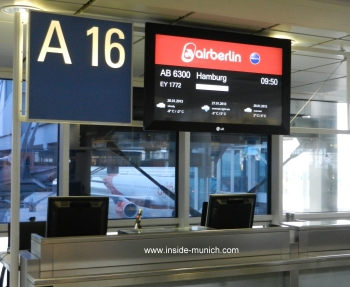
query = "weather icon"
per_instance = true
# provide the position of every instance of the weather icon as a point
(161, 105)
(248, 110)
(206, 108)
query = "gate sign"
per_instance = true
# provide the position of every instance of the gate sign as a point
(78, 69)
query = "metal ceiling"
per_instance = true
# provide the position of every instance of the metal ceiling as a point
(319, 28)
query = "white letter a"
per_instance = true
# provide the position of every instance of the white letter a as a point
(55, 25)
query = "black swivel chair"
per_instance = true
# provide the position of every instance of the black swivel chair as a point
(204, 213)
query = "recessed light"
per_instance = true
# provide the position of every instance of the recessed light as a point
(11, 9)
(278, 36)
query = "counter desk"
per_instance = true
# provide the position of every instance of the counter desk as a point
(320, 238)
(192, 256)
(150, 256)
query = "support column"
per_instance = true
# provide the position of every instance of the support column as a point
(184, 179)
(348, 91)
(276, 179)
(16, 148)
(63, 161)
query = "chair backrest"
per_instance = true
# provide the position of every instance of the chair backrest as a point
(204, 213)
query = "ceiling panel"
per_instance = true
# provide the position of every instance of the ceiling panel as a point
(298, 39)
(334, 96)
(6, 61)
(142, 7)
(311, 77)
(6, 49)
(310, 31)
(7, 34)
(334, 84)
(339, 82)
(130, 16)
(302, 62)
(337, 68)
(225, 23)
(317, 87)
(64, 7)
(346, 38)
(320, 53)
(337, 45)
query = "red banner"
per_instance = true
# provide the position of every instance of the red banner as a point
(217, 55)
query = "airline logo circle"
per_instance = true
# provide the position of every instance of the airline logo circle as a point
(255, 58)
(217, 55)
(188, 52)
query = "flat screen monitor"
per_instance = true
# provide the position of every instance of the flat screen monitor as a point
(215, 81)
(77, 216)
(230, 211)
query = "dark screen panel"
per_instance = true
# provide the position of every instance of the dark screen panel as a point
(77, 216)
(230, 211)
(214, 81)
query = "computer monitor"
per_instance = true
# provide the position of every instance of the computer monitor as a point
(26, 229)
(77, 216)
(229, 211)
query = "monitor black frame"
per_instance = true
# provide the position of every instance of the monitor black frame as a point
(231, 211)
(77, 216)
(151, 122)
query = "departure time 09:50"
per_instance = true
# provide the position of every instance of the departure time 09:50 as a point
(269, 81)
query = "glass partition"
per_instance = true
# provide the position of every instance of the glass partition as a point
(135, 168)
(316, 154)
(39, 160)
(318, 114)
(229, 163)
(315, 173)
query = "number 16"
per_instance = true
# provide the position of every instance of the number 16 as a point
(108, 47)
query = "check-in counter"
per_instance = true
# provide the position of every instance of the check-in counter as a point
(320, 238)
(150, 256)
(291, 255)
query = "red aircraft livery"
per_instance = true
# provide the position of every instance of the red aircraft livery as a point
(217, 55)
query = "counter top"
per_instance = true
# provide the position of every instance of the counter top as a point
(316, 224)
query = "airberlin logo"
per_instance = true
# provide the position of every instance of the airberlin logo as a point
(190, 52)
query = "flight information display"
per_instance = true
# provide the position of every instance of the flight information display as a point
(222, 82)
